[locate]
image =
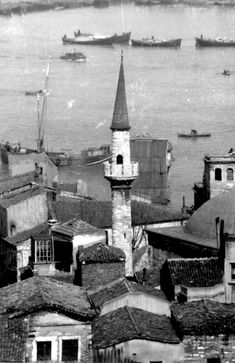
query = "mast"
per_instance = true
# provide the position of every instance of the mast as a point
(43, 94)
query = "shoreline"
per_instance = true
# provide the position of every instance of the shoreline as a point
(8, 8)
(18, 7)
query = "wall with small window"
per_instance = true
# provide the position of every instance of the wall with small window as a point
(218, 178)
(56, 337)
(29, 212)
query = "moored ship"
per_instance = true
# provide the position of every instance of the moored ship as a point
(218, 42)
(152, 42)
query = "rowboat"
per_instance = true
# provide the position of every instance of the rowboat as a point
(88, 40)
(218, 42)
(74, 56)
(193, 133)
(152, 42)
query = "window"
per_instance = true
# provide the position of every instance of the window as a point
(119, 159)
(43, 251)
(213, 360)
(229, 174)
(43, 351)
(69, 350)
(218, 174)
(233, 271)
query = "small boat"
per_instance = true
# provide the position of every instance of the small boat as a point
(218, 42)
(117, 38)
(74, 56)
(152, 42)
(88, 40)
(226, 72)
(193, 133)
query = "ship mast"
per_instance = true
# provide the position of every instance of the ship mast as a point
(43, 94)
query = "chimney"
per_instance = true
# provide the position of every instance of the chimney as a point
(145, 278)
(221, 250)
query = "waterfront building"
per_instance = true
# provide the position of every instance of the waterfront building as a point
(121, 172)
(218, 177)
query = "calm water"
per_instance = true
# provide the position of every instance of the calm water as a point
(168, 90)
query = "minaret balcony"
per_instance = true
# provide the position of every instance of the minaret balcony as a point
(121, 171)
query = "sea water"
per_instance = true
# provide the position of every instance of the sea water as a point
(168, 90)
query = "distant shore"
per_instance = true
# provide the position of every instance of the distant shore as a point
(9, 7)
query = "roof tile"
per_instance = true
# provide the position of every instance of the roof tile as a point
(132, 323)
(196, 272)
(39, 293)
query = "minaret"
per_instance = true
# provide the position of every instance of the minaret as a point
(121, 172)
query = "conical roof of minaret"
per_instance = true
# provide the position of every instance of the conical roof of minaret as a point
(120, 119)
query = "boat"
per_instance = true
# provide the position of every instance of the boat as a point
(88, 40)
(226, 72)
(152, 42)
(74, 56)
(218, 42)
(117, 38)
(90, 156)
(122, 38)
(193, 133)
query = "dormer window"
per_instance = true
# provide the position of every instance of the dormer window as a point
(119, 159)
(43, 251)
(218, 174)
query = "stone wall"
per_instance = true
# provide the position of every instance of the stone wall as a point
(97, 274)
(198, 349)
(121, 222)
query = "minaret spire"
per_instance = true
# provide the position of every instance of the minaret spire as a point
(121, 172)
(120, 119)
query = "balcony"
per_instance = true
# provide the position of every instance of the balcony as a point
(121, 171)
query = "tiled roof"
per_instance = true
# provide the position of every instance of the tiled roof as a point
(121, 287)
(41, 293)
(128, 323)
(98, 213)
(33, 232)
(204, 317)
(101, 253)
(11, 199)
(16, 182)
(13, 336)
(196, 272)
(74, 227)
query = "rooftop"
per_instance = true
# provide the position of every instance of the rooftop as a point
(100, 253)
(204, 317)
(98, 213)
(33, 232)
(74, 227)
(121, 287)
(17, 196)
(182, 235)
(132, 323)
(195, 272)
(41, 293)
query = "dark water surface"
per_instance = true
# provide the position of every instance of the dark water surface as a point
(168, 90)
